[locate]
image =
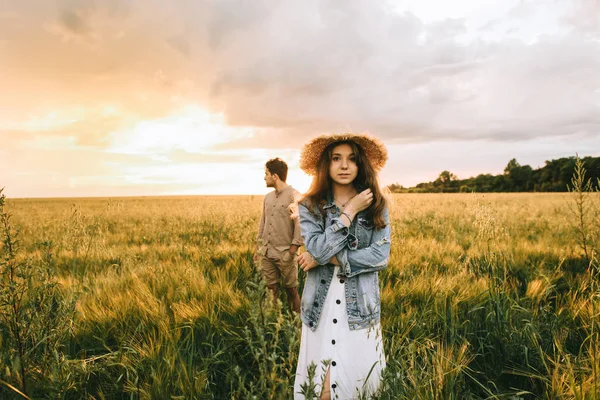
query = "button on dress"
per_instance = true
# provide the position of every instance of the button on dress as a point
(352, 356)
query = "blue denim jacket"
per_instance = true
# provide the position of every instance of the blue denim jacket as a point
(361, 251)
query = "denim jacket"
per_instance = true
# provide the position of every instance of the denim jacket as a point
(361, 251)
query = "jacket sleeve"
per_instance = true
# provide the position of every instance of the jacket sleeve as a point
(321, 243)
(374, 257)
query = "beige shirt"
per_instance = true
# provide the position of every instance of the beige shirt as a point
(278, 229)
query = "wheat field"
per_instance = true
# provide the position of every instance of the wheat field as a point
(485, 296)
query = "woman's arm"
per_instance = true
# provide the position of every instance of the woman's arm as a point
(321, 243)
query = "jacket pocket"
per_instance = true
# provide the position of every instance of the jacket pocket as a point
(367, 293)
(309, 292)
(365, 223)
(364, 231)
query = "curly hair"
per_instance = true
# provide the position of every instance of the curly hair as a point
(277, 166)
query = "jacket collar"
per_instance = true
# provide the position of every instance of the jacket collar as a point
(330, 201)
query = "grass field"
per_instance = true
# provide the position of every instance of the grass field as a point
(485, 296)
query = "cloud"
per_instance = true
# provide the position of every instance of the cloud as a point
(304, 68)
(88, 54)
(87, 127)
(391, 74)
(214, 157)
(82, 78)
(584, 17)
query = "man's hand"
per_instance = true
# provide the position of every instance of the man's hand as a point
(306, 261)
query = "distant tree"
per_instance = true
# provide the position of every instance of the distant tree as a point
(554, 176)
(484, 183)
(396, 188)
(520, 179)
(512, 164)
(446, 177)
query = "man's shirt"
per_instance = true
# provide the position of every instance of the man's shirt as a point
(279, 229)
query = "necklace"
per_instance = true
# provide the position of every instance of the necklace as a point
(343, 204)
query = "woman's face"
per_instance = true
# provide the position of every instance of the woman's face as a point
(343, 169)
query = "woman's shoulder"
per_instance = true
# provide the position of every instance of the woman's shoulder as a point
(308, 209)
(307, 202)
(307, 206)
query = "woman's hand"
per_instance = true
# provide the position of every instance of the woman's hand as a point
(306, 261)
(360, 202)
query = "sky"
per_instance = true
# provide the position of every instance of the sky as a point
(130, 97)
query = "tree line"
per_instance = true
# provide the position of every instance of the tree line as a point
(554, 176)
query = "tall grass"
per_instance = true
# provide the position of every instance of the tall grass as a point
(35, 319)
(485, 296)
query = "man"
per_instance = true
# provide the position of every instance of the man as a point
(279, 234)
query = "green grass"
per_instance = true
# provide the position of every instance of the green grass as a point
(485, 296)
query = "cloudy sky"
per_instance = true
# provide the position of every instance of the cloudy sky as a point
(131, 97)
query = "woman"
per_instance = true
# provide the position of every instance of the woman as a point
(345, 225)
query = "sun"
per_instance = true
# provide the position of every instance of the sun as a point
(193, 150)
(192, 128)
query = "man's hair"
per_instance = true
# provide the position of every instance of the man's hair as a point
(277, 166)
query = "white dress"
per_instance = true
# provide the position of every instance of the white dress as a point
(353, 355)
